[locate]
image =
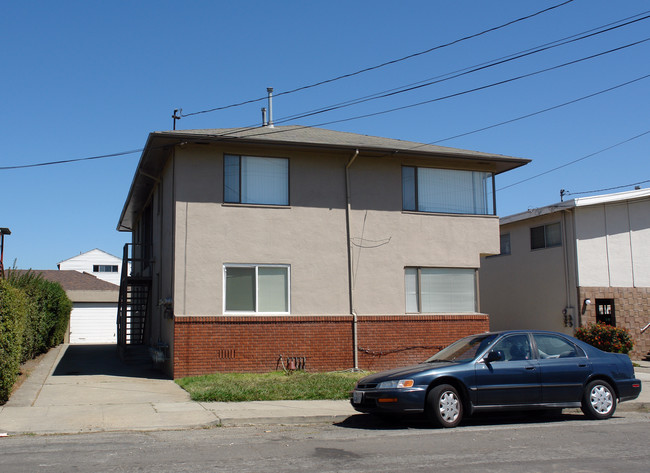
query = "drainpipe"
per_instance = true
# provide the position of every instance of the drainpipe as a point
(355, 340)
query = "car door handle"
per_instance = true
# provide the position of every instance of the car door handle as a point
(530, 368)
(582, 365)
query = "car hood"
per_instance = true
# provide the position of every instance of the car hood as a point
(405, 372)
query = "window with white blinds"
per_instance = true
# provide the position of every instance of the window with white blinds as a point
(440, 290)
(447, 191)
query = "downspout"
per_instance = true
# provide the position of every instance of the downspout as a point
(355, 340)
(568, 307)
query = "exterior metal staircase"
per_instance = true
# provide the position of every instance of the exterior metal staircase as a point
(133, 303)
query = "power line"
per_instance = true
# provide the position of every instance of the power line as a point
(470, 69)
(437, 99)
(112, 155)
(476, 89)
(462, 73)
(574, 161)
(607, 189)
(538, 112)
(378, 66)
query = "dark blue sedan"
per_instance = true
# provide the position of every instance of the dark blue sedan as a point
(526, 370)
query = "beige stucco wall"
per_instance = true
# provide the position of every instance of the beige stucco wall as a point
(529, 288)
(612, 244)
(310, 234)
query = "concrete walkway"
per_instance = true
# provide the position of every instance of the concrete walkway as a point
(87, 389)
(77, 388)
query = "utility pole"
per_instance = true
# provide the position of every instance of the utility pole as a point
(3, 232)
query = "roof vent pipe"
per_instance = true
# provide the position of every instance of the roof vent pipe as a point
(270, 122)
(263, 116)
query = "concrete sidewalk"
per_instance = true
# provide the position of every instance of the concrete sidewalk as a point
(65, 394)
(68, 393)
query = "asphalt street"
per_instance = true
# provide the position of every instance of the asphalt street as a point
(361, 443)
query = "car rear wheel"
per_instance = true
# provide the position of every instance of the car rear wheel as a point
(444, 406)
(599, 400)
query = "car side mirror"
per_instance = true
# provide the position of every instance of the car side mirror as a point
(494, 355)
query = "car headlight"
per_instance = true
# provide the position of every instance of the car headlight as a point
(396, 383)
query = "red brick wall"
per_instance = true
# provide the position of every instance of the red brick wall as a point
(254, 344)
(632, 310)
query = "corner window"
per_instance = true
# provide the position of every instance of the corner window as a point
(545, 236)
(440, 290)
(256, 180)
(447, 191)
(104, 268)
(256, 288)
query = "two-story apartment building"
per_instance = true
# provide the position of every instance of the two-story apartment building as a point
(324, 249)
(572, 263)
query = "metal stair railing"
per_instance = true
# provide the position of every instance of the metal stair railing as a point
(133, 302)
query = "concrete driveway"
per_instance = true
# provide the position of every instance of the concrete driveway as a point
(87, 388)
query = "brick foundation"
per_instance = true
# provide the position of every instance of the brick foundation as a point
(254, 344)
(632, 308)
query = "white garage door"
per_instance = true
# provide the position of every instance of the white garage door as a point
(93, 322)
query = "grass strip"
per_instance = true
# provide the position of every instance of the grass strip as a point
(274, 386)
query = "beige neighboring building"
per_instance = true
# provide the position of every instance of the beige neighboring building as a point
(572, 263)
(258, 248)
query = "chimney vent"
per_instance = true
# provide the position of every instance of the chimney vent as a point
(270, 92)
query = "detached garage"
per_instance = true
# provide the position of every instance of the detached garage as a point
(94, 306)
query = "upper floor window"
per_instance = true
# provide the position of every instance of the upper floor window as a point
(256, 288)
(104, 268)
(256, 180)
(505, 244)
(440, 290)
(545, 236)
(447, 191)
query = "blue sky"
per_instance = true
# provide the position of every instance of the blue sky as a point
(82, 79)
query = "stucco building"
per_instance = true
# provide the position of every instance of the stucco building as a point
(565, 265)
(331, 250)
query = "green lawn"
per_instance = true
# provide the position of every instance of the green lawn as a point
(275, 386)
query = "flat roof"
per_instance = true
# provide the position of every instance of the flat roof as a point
(577, 202)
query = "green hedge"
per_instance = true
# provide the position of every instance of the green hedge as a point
(34, 317)
(606, 338)
(13, 315)
(48, 313)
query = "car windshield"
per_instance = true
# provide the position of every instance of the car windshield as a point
(465, 349)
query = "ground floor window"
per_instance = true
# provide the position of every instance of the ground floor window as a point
(256, 288)
(440, 290)
(605, 313)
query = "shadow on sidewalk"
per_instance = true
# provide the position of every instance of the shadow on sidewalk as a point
(87, 360)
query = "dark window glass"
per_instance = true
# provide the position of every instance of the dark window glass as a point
(545, 236)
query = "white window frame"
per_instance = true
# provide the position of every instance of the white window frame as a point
(256, 268)
(418, 290)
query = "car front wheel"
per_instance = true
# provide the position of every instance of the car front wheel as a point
(444, 406)
(599, 400)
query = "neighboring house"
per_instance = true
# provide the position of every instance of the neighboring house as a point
(572, 263)
(303, 246)
(94, 306)
(96, 262)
